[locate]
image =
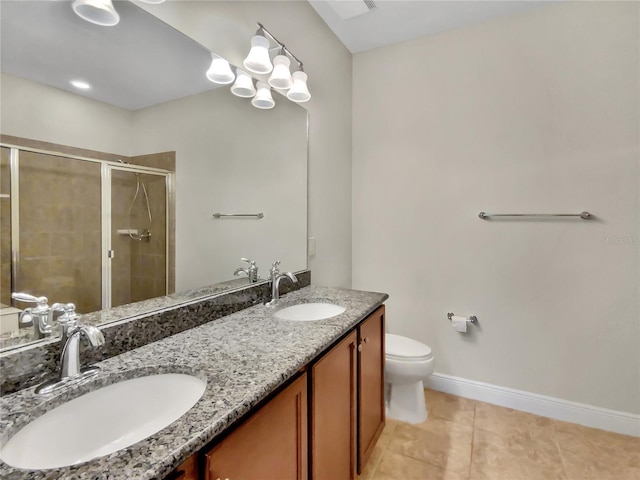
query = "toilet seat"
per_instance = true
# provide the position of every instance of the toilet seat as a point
(406, 349)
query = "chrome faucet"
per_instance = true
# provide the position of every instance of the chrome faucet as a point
(40, 316)
(276, 278)
(251, 271)
(70, 371)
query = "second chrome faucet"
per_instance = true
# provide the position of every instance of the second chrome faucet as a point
(276, 278)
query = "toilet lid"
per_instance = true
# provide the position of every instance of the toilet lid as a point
(399, 347)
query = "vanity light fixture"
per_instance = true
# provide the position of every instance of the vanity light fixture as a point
(299, 92)
(220, 71)
(258, 61)
(243, 87)
(152, 2)
(281, 75)
(100, 12)
(263, 98)
(80, 84)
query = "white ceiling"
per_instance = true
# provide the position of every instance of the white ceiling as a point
(396, 21)
(137, 63)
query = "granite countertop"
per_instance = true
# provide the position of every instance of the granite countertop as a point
(243, 357)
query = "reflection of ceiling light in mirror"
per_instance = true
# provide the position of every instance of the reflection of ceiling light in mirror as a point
(80, 84)
(299, 92)
(258, 60)
(220, 71)
(244, 85)
(100, 12)
(263, 98)
(281, 76)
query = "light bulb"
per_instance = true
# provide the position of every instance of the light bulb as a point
(220, 71)
(299, 92)
(263, 98)
(244, 85)
(100, 12)
(281, 76)
(258, 60)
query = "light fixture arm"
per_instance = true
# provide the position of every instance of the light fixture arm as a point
(283, 48)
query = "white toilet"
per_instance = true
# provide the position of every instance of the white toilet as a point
(408, 364)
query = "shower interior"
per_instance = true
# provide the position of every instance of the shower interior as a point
(80, 230)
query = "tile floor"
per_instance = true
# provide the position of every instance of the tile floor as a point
(468, 440)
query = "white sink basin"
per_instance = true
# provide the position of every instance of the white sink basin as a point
(103, 421)
(309, 312)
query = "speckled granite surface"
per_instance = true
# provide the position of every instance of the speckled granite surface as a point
(137, 325)
(243, 356)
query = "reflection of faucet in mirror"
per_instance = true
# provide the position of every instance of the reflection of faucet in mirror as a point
(70, 371)
(276, 278)
(251, 271)
(40, 316)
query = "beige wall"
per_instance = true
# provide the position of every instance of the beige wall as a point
(232, 158)
(227, 27)
(70, 120)
(532, 113)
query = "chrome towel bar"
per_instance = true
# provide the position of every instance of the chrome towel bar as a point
(583, 215)
(244, 215)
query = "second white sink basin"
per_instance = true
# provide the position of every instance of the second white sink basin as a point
(309, 312)
(103, 421)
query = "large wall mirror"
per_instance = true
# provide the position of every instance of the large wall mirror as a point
(108, 193)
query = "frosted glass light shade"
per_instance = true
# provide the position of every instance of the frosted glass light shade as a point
(258, 60)
(281, 76)
(299, 92)
(263, 98)
(244, 85)
(100, 12)
(220, 71)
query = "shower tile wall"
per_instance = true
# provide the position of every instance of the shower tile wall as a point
(139, 267)
(60, 239)
(165, 161)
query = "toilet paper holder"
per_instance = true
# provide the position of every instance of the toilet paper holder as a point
(472, 319)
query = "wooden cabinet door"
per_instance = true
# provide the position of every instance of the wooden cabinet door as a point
(187, 471)
(271, 445)
(371, 410)
(333, 413)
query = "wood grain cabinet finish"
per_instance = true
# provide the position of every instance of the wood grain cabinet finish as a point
(371, 409)
(333, 412)
(271, 445)
(187, 471)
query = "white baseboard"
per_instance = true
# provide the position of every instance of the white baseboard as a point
(587, 415)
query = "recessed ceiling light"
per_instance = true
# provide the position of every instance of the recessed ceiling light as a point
(80, 84)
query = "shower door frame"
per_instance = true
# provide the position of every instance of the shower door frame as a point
(105, 201)
(107, 250)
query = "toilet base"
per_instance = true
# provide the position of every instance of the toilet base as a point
(405, 402)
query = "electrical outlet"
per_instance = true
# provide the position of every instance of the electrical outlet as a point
(312, 246)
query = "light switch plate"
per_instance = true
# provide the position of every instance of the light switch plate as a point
(312, 246)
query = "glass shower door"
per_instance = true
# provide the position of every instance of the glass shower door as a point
(138, 238)
(58, 230)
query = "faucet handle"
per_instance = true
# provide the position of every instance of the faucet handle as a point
(248, 260)
(70, 317)
(41, 302)
(274, 268)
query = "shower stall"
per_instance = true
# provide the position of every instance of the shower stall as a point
(84, 230)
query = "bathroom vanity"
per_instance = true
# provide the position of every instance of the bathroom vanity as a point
(283, 399)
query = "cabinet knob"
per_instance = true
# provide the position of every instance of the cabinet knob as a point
(365, 339)
(360, 347)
